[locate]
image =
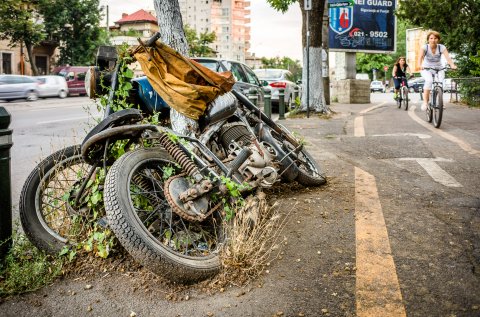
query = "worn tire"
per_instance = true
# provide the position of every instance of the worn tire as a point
(37, 203)
(129, 227)
(438, 110)
(306, 178)
(310, 172)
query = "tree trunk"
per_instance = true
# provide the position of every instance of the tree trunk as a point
(316, 98)
(171, 30)
(171, 26)
(29, 48)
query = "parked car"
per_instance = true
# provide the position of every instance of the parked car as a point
(416, 84)
(52, 86)
(245, 78)
(449, 85)
(278, 79)
(75, 77)
(377, 86)
(18, 87)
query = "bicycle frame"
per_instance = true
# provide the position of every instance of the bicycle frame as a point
(435, 110)
(403, 93)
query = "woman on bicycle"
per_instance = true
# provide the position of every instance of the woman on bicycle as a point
(430, 57)
(399, 70)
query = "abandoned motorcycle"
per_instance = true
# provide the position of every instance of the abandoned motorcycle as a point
(165, 203)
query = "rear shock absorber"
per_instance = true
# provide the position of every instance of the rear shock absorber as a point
(180, 157)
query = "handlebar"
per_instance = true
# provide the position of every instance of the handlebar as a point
(437, 69)
(153, 39)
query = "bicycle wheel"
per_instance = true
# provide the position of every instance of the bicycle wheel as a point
(405, 97)
(438, 109)
(46, 213)
(139, 214)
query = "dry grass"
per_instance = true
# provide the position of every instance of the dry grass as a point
(252, 241)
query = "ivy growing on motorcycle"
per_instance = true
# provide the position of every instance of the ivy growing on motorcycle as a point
(92, 237)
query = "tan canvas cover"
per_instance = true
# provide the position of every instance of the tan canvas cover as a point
(184, 84)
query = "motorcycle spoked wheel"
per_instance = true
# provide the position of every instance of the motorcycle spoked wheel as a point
(145, 224)
(309, 171)
(46, 213)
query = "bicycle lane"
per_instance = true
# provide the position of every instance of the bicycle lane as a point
(377, 290)
(444, 212)
(464, 145)
(424, 254)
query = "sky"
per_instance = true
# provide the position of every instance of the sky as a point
(272, 33)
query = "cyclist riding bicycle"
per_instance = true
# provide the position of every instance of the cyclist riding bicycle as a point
(430, 57)
(399, 71)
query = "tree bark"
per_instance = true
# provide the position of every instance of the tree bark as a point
(29, 48)
(315, 81)
(171, 31)
(171, 26)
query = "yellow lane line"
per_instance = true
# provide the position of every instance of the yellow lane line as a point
(377, 288)
(358, 127)
(462, 144)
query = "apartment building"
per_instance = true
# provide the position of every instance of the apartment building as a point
(229, 19)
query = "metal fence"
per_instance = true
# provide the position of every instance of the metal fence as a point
(466, 89)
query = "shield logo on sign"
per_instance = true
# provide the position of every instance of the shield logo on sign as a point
(341, 19)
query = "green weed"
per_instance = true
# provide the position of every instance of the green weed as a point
(26, 269)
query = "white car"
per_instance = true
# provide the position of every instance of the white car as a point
(377, 85)
(52, 86)
(278, 79)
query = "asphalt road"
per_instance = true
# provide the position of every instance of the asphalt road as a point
(42, 127)
(396, 232)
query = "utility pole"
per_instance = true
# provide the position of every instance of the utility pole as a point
(308, 7)
(325, 66)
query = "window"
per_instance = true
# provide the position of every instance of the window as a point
(6, 65)
(237, 71)
(252, 78)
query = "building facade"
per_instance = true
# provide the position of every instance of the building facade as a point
(228, 19)
(141, 22)
(11, 61)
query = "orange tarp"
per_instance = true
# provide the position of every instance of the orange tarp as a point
(184, 84)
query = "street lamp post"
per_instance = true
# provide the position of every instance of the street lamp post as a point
(69, 48)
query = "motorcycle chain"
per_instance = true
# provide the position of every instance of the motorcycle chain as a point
(179, 210)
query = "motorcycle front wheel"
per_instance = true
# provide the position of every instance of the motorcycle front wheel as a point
(309, 171)
(48, 218)
(143, 221)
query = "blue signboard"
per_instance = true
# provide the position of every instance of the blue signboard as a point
(362, 26)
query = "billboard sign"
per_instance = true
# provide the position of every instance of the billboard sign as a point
(362, 26)
(416, 38)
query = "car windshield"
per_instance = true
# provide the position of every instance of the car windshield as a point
(213, 65)
(268, 73)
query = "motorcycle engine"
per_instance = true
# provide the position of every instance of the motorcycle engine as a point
(234, 138)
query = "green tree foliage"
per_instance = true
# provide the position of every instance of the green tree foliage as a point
(284, 63)
(19, 23)
(198, 43)
(74, 25)
(458, 21)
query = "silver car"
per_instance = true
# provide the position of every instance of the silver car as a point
(18, 87)
(245, 78)
(278, 79)
(52, 86)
